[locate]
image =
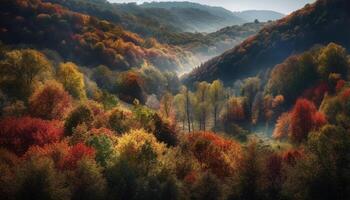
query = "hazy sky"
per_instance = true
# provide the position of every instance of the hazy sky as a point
(284, 6)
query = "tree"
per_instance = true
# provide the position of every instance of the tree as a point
(72, 79)
(304, 118)
(75, 154)
(333, 59)
(202, 103)
(88, 181)
(131, 145)
(216, 98)
(130, 87)
(120, 120)
(18, 134)
(180, 107)
(37, 178)
(207, 187)
(166, 105)
(282, 128)
(273, 173)
(81, 114)
(291, 77)
(219, 155)
(188, 106)
(50, 102)
(164, 131)
(250, 174)
(103, 76)
(250, 88)
(20, 70)
(104, 146)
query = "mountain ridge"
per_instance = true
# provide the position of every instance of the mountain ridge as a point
(299, 31)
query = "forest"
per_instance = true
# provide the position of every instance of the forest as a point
(91, 110)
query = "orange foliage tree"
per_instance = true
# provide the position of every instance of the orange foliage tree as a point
(215, 153)
(50, 102)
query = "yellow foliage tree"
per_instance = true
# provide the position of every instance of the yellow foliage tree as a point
(72, 79)
(132, 143)
(20, 70)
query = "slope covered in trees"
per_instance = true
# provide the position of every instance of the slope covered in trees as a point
(196, 17)
(320, 23)
(83, 38)
(261, 15)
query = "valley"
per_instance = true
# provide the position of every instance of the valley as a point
(174, 100)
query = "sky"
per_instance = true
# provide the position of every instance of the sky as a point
(283, 6)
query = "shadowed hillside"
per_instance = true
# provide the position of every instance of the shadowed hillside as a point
(323, 22)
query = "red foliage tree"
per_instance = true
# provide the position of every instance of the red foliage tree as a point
(346, 95)
(319, 119)
(304, 118)
(18, 134)
(316, 93)
(50, 102)
(291, 156)
(75, 154)
(340, 85)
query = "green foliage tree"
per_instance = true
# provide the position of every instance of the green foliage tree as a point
(293, 76)
(333, 59)
(216, 93)
(180, 107)
(104, 146)
(202, 104)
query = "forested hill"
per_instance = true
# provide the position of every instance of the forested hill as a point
(155, 19)
(261, 15)
(198, 17)
(320, 23)
(82, 38)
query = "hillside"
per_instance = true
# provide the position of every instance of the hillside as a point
(261, 15)
(197, 17)
(156, 20)
(84, 39)
(207, 46)
(314, 24)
